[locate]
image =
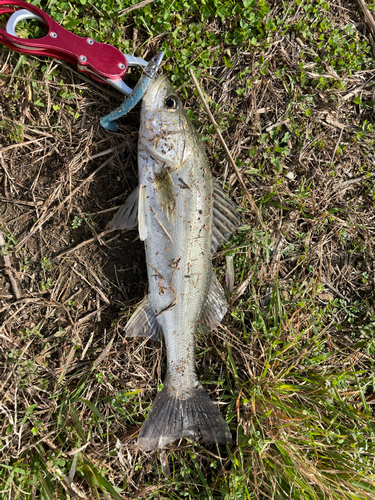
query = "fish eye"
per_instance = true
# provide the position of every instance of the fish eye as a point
(172, 103)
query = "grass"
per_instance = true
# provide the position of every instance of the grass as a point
(291, 85)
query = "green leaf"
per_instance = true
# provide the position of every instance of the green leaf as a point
(72, 24)
(105, 485)
(13, 469)
(227, 63)
(77, 423)
(93, 408)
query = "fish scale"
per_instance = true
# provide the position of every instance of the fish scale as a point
(177, 199)
(184, 242)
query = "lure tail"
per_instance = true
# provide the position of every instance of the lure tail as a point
(176, 415)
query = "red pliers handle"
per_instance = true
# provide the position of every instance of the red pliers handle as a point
(103, 62)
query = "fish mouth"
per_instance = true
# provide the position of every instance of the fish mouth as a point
(153, 95)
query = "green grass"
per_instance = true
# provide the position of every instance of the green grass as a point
(291, 85)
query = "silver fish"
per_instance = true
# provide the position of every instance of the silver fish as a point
(183, 216)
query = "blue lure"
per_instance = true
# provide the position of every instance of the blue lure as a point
(148, 75)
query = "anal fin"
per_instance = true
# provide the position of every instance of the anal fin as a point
(226, 219)
(215, 307)
(143, 323)
(126, 216)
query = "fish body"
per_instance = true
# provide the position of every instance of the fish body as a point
(176, 206)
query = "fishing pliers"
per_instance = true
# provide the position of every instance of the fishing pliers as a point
(103, 62)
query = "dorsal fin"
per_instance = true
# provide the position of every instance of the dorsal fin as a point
(226, 219)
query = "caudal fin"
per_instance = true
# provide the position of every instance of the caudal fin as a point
(173, 416)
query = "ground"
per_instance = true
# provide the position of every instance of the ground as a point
(292, 87)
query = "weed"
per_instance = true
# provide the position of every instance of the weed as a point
(76, 223)
(46, 265)
(47, 284)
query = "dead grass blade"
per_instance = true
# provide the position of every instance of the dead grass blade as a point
(138, 5)
(250, 199)
(102, 355)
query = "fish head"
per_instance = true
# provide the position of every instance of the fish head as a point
(166, 131)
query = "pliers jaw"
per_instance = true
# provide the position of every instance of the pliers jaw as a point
(119, 83)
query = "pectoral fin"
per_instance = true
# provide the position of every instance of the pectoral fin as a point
(165, 192)
(215, 307)
(127, 215)
(143, 323)
(226, 218)
(142, 215)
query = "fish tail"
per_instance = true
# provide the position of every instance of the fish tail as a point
(177, 415)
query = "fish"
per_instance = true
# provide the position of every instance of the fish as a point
(183, 215)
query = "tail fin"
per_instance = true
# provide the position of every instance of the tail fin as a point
(173, 416)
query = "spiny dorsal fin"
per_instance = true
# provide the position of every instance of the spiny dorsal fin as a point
(127, 215)
(215, 307)
(143, 323)
(226, 218)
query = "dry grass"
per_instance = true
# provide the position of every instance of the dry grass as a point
(298, 345)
